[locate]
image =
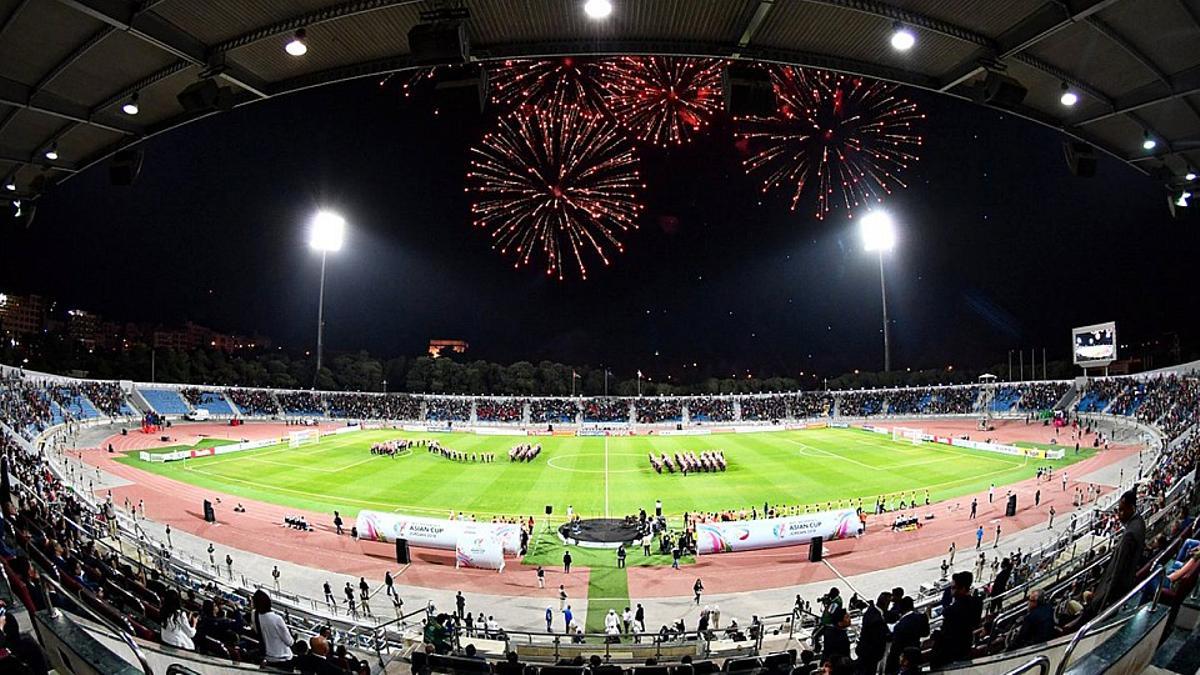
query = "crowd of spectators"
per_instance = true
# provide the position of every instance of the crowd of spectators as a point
(24, 405)
(41, 542)
(373, 406)
(107, 397)
(253, 401)
(764, 408)
(656, 410)
(952, 401)
(1036, 396)
(907, 401)
(447, 409)
(605, 410)
(507, 410)
(1171, 403)
(710, 409)
(861, 404)
(304, 403)
(70, 400)
(1100, 392)
(553, 410)
(810, 405)
(197, 396)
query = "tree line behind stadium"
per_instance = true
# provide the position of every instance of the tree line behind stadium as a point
(362, 371)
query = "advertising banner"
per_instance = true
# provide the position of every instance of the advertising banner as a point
(479, 547)
(432, 532)
(746, 535)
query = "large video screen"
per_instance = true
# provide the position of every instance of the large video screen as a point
(1094, 345)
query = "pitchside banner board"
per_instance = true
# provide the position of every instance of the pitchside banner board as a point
(479, 546)
(745, 535)
(432, 532)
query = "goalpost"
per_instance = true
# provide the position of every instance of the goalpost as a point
(915, 436)
(306, 437)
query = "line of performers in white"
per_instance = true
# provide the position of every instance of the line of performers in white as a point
(685, 462)
(524, 453)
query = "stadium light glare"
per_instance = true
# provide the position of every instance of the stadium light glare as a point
(878, 231)
(131, 106)
(1148, 142)
(10, 186)
(902, 38)
(1190, 175)
(1068, 98)
(328, 230)
(326, 233)
(297, 46)
(597, 9)
(52, 152)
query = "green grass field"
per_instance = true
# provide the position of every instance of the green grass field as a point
(598, 477)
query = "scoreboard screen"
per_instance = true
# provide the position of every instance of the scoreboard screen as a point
(1094, 345)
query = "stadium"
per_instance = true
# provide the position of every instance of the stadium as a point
(714, 484)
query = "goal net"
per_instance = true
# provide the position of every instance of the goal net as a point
(914, 436)
(307, 437)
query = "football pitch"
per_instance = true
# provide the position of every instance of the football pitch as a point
(597, 476)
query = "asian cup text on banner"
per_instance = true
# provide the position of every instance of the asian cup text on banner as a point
(432, 532)
(746, 535)
(480, 548)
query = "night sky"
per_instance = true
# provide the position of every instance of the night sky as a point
(1000, 248)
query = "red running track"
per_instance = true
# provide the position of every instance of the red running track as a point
(258, 530)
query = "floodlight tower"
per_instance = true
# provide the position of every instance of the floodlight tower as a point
(325, 234)
(879, 235)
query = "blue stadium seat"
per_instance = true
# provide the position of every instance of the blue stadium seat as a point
(166, 401)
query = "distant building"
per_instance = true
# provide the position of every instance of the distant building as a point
(23, 314)
(440, 347)
(194, 336)
(84, 327)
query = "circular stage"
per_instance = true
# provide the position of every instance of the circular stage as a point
(600, 532)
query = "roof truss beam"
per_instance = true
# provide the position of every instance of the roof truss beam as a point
(342, 11)
(1121, 41)
(761, 10)
(12, 16)
(1041, 24)
(23, 96)
(1180, 85)
(153, 29)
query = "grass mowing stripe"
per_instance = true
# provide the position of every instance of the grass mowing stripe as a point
(597, 476)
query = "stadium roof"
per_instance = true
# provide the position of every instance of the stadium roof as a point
(68, 66)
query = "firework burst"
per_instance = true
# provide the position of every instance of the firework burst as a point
(557, 184)
(549, 84)
(847, 136)
(663, 100)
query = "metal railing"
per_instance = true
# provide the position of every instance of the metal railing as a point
(1159, 573)
(120, 633)
(1041, 662)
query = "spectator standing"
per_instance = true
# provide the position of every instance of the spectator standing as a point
(272, 631)
(959, 622)
(872, 636)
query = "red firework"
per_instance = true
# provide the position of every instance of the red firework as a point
(664, 100)
(558, 182)
(849, 135)
(552, 84)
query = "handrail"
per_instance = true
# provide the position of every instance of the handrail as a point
(82, 604)
(1112, 609)
(1041, 662)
